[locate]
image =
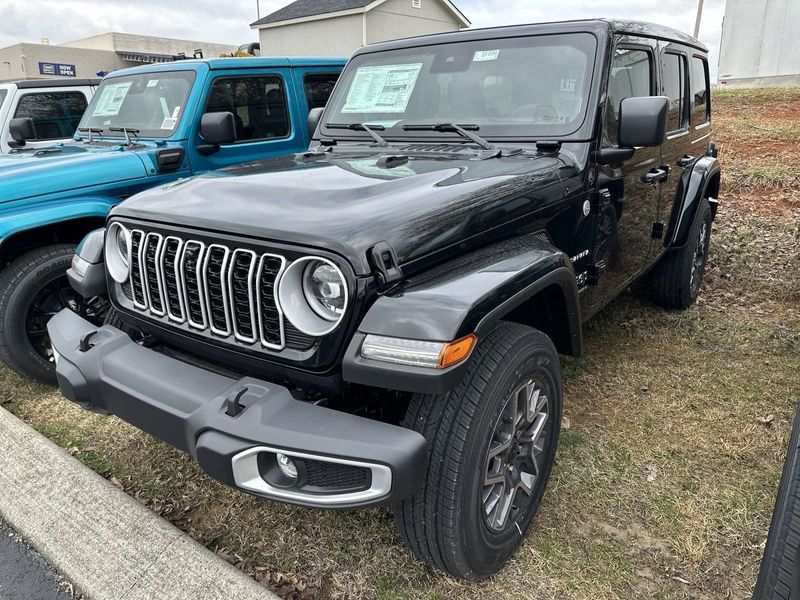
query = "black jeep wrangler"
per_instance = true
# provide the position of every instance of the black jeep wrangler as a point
(379, 319)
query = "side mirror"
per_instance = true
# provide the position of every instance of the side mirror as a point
(314, 117)
(218, 128)
(642, 121)
(22, 130)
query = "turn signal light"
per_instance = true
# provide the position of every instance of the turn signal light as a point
(454, 352)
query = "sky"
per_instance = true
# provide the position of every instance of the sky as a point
(227, 21)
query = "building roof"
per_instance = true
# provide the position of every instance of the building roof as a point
(317, 9)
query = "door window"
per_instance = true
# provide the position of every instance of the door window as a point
(701, 96)
(55, 114)
(258, 105)
(318, 88)
(673, 68)
(631, 77)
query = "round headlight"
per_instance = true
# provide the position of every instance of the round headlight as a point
(313, 295)
(118, 252)
(324, 288)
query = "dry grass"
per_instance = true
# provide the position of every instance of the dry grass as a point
(665, 479)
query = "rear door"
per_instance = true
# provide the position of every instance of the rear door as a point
(55, 113)
(623, 227)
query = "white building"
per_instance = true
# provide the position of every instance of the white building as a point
(340, 27)
(760, 43)
(86, 57)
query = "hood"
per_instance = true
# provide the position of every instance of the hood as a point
(346, 204)
(64, 168)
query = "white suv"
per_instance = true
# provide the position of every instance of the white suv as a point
(54, 105)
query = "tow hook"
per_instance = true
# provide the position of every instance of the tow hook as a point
(242, 398)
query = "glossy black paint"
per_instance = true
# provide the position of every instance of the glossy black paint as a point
(463, 226)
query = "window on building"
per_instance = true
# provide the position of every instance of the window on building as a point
(318, 88)
(631, 77)
(673, 67)
(258, 105)
(416, 3)
(55, 114)
(701, 94)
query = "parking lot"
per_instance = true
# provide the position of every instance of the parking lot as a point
(675, 431)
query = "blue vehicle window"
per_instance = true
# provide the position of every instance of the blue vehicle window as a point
(153, 103)
(258, 105)
(55, 114)
(318, 88)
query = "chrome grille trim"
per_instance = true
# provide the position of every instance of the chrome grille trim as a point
(202, 324)
(223, 285)
(215, 289)
(137, 270)
(251, 305)
(146, 270)
(165, 270)
(261, 308)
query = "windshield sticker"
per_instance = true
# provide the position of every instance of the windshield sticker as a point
(111, 99)
(152, 83)
(169, 123)
(382, 89)
(482, 55)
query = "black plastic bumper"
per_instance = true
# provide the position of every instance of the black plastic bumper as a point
(218, 419)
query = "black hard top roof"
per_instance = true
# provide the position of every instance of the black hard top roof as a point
(599, 26)
(46, 83)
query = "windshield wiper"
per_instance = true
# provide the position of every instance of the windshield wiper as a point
(462, 130)
(90, 131)
(370, 129)
(128, 131)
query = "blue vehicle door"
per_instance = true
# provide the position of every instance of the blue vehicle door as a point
(266, 113)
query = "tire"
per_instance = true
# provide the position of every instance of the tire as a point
(779, 576)
(22, 284)
(676, 279)
(446, 523)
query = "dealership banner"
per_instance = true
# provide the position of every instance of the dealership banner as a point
(62, 70)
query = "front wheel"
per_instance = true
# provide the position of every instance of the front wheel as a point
(33, 288)
(491, 443)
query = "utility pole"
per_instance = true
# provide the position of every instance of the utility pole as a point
(699, 16)
(258, 9)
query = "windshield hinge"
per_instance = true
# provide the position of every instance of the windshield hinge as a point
(386, 267)
(548, 146)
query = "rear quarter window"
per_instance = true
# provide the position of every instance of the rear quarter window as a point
(701, 93)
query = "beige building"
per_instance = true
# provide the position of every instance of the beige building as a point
(86, 57)
(340, 27)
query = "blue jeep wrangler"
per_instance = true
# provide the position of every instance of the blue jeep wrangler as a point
(145, 127)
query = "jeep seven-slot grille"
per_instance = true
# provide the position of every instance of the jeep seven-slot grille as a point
(227, 291)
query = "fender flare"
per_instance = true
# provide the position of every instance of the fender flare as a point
(468, 295)
(30, 217)
(694, 187)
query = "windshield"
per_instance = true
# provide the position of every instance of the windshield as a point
(533, 86)
(153, 103)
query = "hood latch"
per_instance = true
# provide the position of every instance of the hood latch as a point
(386, 267)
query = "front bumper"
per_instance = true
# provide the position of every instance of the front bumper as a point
(236, 427)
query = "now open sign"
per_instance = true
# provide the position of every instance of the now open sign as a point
(59, 69)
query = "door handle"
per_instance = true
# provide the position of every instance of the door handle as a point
(685, 160)
(654, 176)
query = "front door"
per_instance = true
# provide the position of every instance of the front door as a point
(624, 223)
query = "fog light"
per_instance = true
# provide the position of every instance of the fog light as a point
(287, 466)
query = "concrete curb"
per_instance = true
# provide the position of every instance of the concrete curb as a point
(102, 540)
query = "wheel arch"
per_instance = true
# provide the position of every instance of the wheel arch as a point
(523, 280)
(42, 226)
(702, 182)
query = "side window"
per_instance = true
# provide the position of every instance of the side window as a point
(673, 68)
(258, 105)
(701, 96)
(318, 88)
(630, 77)
(55, 114)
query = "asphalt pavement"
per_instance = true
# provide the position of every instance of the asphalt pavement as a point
(24, 575)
